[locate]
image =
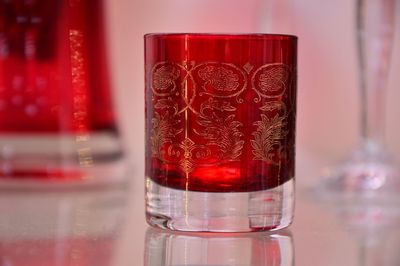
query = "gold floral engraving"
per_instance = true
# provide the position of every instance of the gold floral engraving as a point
(203, 99)
(163, 131)
(220, 78)
(274, 105)
(164, 78)
(267, 137)
(224, 133)
(186, 153)
(270, 80)
(166, 104)
(187, 163)
(214, 104)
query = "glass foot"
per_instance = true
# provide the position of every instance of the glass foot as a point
(369, 171)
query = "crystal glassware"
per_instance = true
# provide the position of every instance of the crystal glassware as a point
(370, 170)
(220, 131)
(56, 114)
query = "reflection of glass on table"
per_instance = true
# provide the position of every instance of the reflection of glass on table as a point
(372, 224)
(256, 249)
(62, 228)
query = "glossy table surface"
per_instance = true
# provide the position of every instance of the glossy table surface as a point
(106, 227)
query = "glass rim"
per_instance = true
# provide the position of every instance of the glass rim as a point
(223, 35)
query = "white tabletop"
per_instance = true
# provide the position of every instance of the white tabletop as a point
(106, 227)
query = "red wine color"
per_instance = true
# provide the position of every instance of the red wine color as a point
(220, 111)
(53, 70)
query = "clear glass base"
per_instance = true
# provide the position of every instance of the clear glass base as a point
(182, 210)
(70, 148)
(61, 160)
(369, 171)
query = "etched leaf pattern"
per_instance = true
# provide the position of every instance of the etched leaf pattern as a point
(269, 133)
(225, 134)
(163, 131)
(165, 104)
(221, 132)
(213, 104)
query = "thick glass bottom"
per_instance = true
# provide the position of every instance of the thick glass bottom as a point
(184, 210)
(60, 160)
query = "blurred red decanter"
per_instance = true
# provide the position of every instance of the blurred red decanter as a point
(56, 112)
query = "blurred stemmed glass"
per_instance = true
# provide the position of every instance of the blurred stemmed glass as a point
(372, 225)
(369, 170)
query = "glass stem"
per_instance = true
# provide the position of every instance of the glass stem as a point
(371, 254)
(375, 24)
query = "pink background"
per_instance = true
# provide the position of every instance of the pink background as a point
(328, 105)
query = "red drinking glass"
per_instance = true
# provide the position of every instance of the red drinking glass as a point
(56, 112)
(220, 131)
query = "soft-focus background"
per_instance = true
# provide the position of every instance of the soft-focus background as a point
(328, 104)
(86, 226)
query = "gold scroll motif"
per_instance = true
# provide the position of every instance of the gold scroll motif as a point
(270, 82)
(216, 85)
(220, 78)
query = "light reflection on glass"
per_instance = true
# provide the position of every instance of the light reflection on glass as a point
(371, 222)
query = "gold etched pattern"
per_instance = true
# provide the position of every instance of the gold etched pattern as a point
(270, 81)
(80, 96)
(163, 131)
(220, 78)
(273, 79)
(213, 91)
(225, 134)
(267, 138)
(164, 77)
(187, 146)
(248, 67)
